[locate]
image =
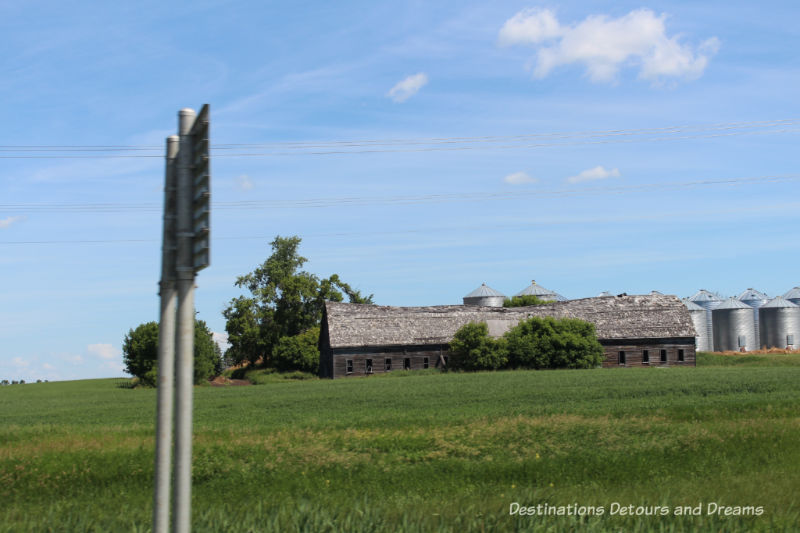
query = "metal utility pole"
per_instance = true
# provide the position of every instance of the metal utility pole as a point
(186, 251)
(166, 349)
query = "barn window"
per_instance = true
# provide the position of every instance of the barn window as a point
(645, 357)
(663, 356)
(407, 363)
(369, 366)
(680, 355)
(424, 362)
(621, 357)
(387, 364)
(349, 368)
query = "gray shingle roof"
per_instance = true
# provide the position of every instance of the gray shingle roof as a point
(626, 317)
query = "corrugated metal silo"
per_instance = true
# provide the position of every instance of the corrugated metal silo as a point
(779, 321)
(754, 299)
(537, 290)
(733, 326)
(485, 296)
(698, 314)
(793, 295)
(708, 301)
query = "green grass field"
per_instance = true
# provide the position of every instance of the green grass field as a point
(430, 452)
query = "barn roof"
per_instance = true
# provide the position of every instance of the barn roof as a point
(620, 317)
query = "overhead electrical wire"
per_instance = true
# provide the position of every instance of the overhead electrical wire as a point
(428, 229)
(107, 207)
(365, 146)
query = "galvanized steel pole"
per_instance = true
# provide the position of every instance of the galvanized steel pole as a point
(166, 349)
(184, 339)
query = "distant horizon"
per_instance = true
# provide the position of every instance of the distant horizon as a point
(417, 149)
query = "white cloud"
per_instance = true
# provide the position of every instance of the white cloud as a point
(221, 339)
(518, 178)
(604, 45)
(48, 366)
(596, 173)
(6, 222)
(244, 183)
(19, 362)
(104, 351)
(408, 87)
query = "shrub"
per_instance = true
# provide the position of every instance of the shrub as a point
(473, 349)
(553, 343)
(524, 301)
(299, 352)
(140, 353)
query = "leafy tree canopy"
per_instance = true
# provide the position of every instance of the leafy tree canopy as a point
(284, 301)
(534, 343)
(524, 301)
(140, 353)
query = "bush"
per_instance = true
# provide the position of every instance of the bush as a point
(473, 349)
(299, 352)
(524, 301)
(553, 343)
(140, 353)
(534, 343)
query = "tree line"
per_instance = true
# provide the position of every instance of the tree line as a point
(276, 324)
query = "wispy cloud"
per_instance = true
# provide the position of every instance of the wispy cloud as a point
(408, 87)
(604, 44)
(244, 183)
(592, 174)
(519, 178)
(221, 339)
(7, 222)
(104, 351)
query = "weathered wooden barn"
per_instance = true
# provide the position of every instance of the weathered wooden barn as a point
(637, 330)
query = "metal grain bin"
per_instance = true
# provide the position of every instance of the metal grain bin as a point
(779, 322)
(793, 295)
(754, 299)
(733, 326)
(485, 296)
(708, 301)
(537, 290)
(698, 314)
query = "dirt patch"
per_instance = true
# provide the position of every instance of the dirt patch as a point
(222, 381)
(770, 351)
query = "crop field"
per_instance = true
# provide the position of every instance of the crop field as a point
(423, 452)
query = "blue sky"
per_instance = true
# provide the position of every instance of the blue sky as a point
(426, 221)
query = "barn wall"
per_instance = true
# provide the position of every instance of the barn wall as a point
(379, 354)
(634, 349)
(333, 362)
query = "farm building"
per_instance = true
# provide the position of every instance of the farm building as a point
(358, 340)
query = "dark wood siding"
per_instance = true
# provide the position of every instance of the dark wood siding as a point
(333, 362)
(633, 349)
(379, 354)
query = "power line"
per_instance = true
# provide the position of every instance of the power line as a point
(404, 199)
(669, 133)
(428, 229)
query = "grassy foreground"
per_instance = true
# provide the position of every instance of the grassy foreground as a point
(430, 452)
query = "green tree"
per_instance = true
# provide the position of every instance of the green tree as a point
(298, 353)
(524, 301)
(473, 349)
(140, 353)
(553, 343)
(284, 301)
